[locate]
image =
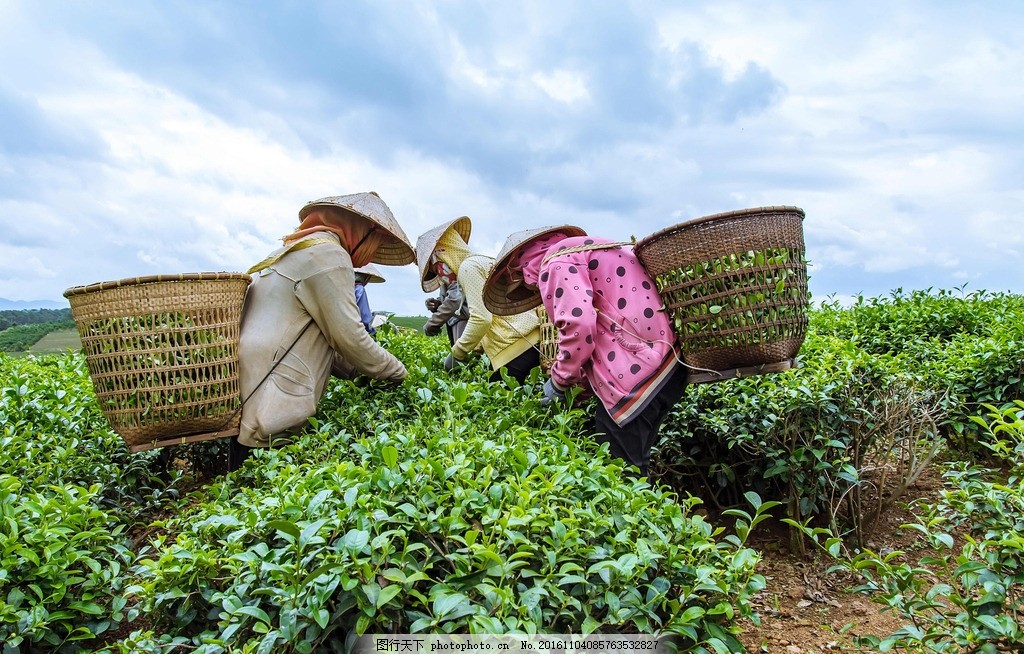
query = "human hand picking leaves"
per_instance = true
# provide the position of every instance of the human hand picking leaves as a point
(552, 393)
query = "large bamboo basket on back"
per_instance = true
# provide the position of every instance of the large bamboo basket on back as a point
(735, 286)
(162, 353)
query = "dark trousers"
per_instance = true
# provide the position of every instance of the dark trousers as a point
(455, 331)
(237, 454)
(520, 367)
(633, 441)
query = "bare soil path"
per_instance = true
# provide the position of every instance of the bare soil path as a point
(805, 609)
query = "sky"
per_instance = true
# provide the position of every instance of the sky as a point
(141, 137)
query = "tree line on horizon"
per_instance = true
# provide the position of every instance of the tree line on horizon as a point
(11, 317)
(21, 328)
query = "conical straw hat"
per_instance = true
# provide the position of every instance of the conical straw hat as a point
(497, 297)
(373, 275)
(396, 249)
(426, 243)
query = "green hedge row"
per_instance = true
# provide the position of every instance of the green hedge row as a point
(452, 504)
(881, 385)
(69, 494)
(445, 505)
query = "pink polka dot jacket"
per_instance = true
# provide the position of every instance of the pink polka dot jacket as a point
(614, 337)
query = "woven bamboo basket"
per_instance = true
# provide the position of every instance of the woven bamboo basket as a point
(162, 353)
(548, 340)
(735, 287)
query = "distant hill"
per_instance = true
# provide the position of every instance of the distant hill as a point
(20, 305)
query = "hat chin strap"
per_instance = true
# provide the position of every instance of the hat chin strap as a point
(366, 248)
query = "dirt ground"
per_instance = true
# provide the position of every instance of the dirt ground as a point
(806, 610)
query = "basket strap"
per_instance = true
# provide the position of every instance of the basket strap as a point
(585, 248)
(298, 245)
(266, 376)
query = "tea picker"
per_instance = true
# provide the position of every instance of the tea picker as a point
(711, 299)
(450, 309)
(364, 275)
(509, 341)
(613, 338)
(179, 358)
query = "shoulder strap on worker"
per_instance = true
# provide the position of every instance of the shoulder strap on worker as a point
(298, 245)
(584, 248)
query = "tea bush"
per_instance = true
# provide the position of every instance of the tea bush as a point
(967, 346)
(904, 321)
(53, 433)
(976, 372)
(61, 563)
(898, 375)
(810, 437)
(968, 597)
(450, 504)
(444, 505)
(69, 492)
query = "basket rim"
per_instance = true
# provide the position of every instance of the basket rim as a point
(152, 279)
(725, 215)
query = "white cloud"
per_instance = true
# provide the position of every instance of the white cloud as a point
(896, 130)
(563, 86)
(1000, 232)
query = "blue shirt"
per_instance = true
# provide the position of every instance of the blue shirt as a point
(365, 315)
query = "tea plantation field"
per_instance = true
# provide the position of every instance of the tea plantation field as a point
(448, 504)
(59, 341)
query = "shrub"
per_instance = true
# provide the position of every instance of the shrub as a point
(964, 346)
(446, 504)
(53, 433)
(880, 386)
(966, 598)
(61, 561)
(820, 438)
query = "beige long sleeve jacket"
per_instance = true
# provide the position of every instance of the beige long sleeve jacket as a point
(312, 284)
(502, 338)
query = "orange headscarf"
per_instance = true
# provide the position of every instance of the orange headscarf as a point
(359, 237)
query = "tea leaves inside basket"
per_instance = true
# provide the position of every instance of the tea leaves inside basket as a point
(162, 352)
(743, 298)
(734, 285)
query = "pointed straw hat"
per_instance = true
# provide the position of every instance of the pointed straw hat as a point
(497, 296)
(396, 249)
(426, 244)
(372, 274)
